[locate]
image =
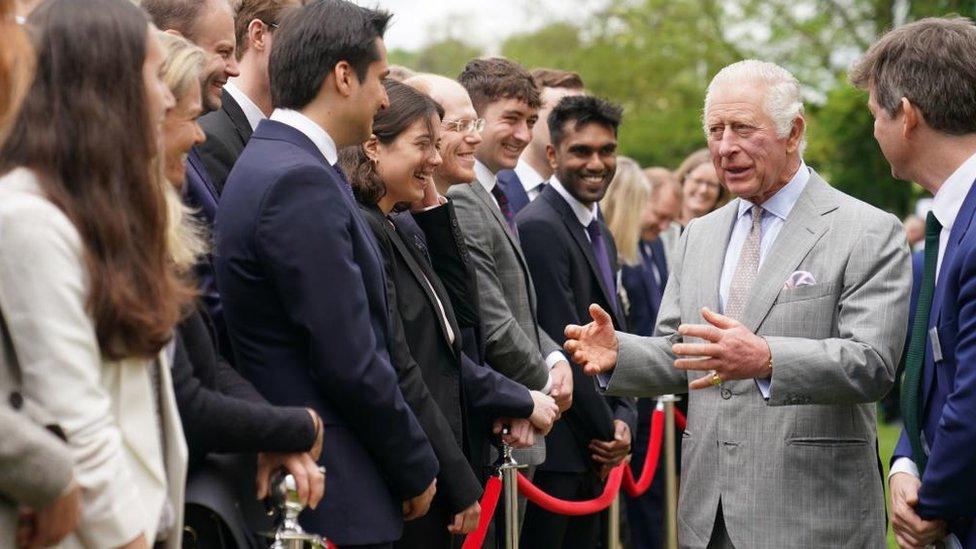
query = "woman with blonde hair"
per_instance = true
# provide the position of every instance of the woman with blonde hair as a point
(622, 208)
(702, 192)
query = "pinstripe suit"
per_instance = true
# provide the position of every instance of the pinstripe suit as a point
(798, 470)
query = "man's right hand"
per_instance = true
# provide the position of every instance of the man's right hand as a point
(911, 531)
(562, 385)
(466, 521)
(51, 524)
(593, 346)
(418, 506)
(544, 412)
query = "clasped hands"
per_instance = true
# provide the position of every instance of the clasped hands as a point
(729, 350)
(911, 531)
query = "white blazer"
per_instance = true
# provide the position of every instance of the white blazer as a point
(106, 408)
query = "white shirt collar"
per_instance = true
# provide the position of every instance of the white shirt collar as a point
(781, 203)
(253, 114)
(527, 175)
(583, 214)
(485, 177)
(313, 131)
(952, 193)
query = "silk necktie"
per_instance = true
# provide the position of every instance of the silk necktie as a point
(504, 206)
(599, 245)
(747, 269)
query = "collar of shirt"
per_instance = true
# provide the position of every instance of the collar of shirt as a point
(313, 131)
(253, 114)
(485, 177)
(781, 203)
(952, 193)
(583, 214)
(527, 175)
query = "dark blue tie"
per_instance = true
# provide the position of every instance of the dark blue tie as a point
(346, 186)
(603, 260)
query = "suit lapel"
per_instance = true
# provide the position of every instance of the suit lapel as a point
(135, 394)
(960, 227)
(803, 228)
(237, 117)
(711, 267)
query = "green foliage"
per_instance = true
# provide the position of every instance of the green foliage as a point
(445, 57)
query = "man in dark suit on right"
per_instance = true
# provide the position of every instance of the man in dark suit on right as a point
(921, 79)
(302, 279)
(573, 261)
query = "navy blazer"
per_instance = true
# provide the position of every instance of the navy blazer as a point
(511, 185)
(564, 270)
(949, 386)
(304, 294)
(643, 291)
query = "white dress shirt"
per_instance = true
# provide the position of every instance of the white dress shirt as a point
(774, 214)
(531, 180)
(253, 114)
(583, 214)
(313, 131)
(946, 205)
(487, 179)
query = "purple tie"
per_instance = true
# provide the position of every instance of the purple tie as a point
(602, 260)
(504, 206)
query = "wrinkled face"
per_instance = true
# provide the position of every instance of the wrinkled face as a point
(508, 130)
(406, 166)
(750, 159)
(457, 148)
(214, 33)
(540, 132)
(180, 133)
(369, 96)
(658, 214)
(585, 160)
(158, 97)
(888, 133)
(700, 190)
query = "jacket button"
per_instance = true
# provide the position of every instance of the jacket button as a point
(16, 400)
(726, 393)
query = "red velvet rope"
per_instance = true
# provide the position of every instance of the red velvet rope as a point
(574, 508)
(638, 487)
(489, 501)
(680, 421)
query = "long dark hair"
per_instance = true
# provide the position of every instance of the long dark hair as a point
(407, 106)
(84, 129)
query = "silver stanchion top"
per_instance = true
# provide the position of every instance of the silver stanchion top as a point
(286, 506)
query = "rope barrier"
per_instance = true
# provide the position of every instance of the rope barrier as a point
(680, 421)
(489, 502)
(574, 508)
(637, 488)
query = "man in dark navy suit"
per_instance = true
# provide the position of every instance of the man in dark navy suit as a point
(573, 260)
(302, 279)
(524, 183)
(922, 83)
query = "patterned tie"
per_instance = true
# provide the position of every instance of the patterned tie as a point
(915, 359)
(599, 245)
(504, 206)
(747, 268)
(346, 186)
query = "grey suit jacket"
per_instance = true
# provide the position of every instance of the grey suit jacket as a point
(801, 469)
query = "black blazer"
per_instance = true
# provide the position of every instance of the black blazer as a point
(220, 410)
(644, 293)
(564, 270)
(465, 393)
(227, 131)
(304, 295)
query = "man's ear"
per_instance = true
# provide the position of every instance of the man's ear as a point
(551, 156)
(796, 134)
(371, 148)
(912, 118)
(345, 77)
(257, 33)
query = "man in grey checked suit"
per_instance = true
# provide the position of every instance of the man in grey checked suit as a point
(780, 449)
(504, 95)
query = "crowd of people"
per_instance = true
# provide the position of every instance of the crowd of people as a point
(235, 242)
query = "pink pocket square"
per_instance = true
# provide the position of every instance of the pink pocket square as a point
(799, 278)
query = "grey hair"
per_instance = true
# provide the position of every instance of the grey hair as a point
(781, 101)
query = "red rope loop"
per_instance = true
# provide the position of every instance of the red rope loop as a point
(489, 501)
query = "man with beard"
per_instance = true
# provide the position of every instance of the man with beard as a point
(573, 261)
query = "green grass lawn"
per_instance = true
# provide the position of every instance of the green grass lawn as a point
(887, 438)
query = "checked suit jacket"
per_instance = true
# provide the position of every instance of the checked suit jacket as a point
(801, 469)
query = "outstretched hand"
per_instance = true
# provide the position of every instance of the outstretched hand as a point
(729, 350)
(594, 346)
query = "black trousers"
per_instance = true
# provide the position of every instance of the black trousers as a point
(430, 530)
(543, 529)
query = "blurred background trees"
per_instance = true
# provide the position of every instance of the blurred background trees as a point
(656, 58)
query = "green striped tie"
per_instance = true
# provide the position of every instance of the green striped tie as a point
(911, 407)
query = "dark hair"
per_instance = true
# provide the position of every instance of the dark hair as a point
(267, 11)
(407, 106)
(178, 15)
(86, 132)
(488, 80)
(556, 78)
(932, 63)
(583, 110)
(313, 39)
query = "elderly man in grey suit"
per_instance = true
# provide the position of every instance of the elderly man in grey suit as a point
(813, 287)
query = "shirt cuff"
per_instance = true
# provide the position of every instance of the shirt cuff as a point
(763, 385)
(440, 202)
(554, 358)
(904, 465)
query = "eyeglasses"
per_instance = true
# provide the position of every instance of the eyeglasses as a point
(703, 183)
(465, 126)
(272, 25)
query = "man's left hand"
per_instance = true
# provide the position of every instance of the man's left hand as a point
(610, 453)
(730, 350)
(309, 479)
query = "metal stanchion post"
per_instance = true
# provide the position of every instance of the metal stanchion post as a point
(670, 473)
(509, 471)
(613, 523)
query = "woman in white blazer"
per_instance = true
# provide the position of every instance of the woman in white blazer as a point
(88, 296)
